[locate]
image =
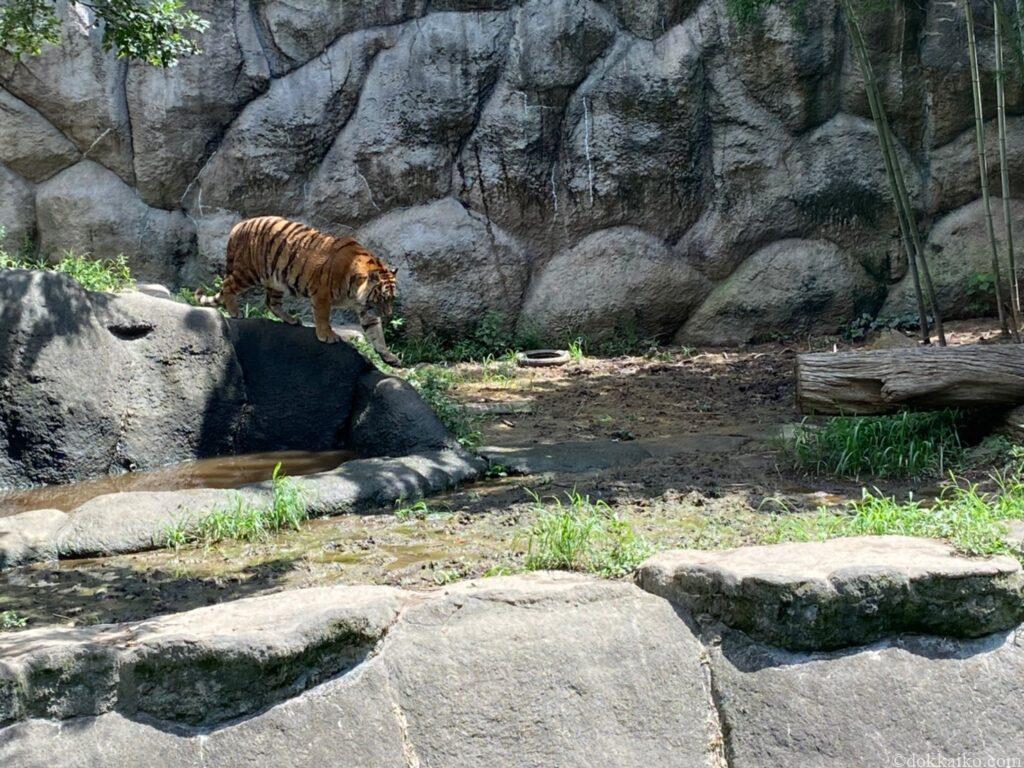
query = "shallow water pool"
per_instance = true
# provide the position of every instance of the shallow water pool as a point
(218, 472)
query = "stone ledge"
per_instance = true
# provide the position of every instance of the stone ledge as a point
(199, 667)
(842, 592)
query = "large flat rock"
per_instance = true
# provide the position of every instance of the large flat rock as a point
(883, 705)
(544, 669)
(819, 595)
(200, 667)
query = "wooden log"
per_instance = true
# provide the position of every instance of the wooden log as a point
(924, 378)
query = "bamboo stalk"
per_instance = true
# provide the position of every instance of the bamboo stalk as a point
(979, 131)
(894, 171)
(1004, 168)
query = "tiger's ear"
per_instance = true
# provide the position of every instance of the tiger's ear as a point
(394, 272)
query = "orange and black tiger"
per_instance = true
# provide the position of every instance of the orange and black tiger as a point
(286, 256)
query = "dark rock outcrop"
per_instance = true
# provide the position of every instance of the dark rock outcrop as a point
(92, 383)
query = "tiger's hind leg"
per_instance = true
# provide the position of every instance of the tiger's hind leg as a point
(274, 299)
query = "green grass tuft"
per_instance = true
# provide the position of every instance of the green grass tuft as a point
(108, 275)
(242, 521)
(582, 535)
(11, 620)
(970, 519)
(905, 445)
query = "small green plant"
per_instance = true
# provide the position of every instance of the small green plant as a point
(582, 535)
(495, 471)
(905, 445)
(241, 520)
(11, 620)
(981, 295)
(575, 347)
(419, 510)
(92, 274)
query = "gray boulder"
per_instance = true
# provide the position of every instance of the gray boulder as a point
(178, 114)
(88, 209)
(792, 286)
(388, 419)
(849, 591)
(788, 61)
(79, 88)
(641, 288)
(420, 102)
(960, 259)
(17, 211)
(29, 144)
(888, 703)
(300, 30)
(95, 383)
(454, 267)
(30, 536)
(954, 180)
(279, 138)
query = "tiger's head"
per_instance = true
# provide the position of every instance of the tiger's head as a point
(383, 288)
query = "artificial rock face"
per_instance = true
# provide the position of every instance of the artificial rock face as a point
(507, 149)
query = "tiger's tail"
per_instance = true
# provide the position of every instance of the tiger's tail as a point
(202, 300)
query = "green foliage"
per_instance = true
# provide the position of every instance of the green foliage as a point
(11, 620)
(243, 521)
(433, 384)
(96, 274)
(981, 295)
(490, 341)
(970, 519)
(905, 445)
(158, 32)
(92, 274)
(582, 535)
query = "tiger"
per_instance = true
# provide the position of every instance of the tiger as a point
(283, 255)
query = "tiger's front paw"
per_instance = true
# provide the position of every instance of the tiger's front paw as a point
(391, 359)
(328, 338)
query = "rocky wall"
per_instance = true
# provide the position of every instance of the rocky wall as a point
(569, 165)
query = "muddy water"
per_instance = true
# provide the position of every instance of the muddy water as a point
(219, 472)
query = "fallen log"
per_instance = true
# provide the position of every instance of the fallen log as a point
(924, 378)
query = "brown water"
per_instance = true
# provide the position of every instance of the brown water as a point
(219, 472)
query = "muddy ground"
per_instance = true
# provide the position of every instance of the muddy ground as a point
(706, 496)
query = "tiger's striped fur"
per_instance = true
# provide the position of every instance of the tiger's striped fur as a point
(285, 256)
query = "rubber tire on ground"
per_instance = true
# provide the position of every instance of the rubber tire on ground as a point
(542, 358)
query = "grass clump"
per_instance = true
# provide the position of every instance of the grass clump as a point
(244, 521)
(905, 445)
(582, 535)
(108, 275)
(970, 519)
(11, 620)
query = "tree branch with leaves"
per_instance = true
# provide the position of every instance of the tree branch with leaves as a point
(157, 32)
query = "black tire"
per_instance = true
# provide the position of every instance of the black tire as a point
(542, 358)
